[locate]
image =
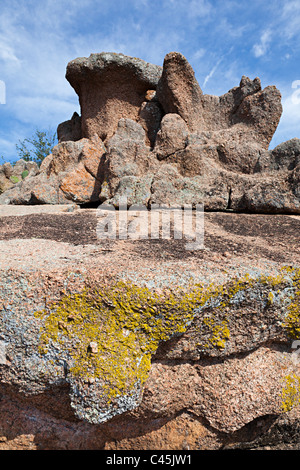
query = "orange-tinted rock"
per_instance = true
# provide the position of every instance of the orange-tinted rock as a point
(80, 186)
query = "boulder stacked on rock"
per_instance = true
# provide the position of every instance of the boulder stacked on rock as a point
(150, 134)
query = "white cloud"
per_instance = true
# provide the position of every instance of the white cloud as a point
(198, 8)
(290, 19)
(7, 53)
(49, 110)
(199, 53)
(262, 47)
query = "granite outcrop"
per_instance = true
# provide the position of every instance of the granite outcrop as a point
(149, 133)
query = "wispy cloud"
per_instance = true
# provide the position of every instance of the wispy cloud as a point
(291, 19)
(199, 53)
(198, 8)
(193, 8)
(262, 47)
(7, 53)
(211, 73)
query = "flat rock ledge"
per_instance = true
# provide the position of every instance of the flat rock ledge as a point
(143, 344)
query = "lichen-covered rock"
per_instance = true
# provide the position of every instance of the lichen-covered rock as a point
(172, 136)
(184, 330)
(128, 164)
(286, 156)
(265, 195)
(106, 344)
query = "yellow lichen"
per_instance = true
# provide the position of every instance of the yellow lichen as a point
(127, 323)
(292, 318)
(271, 298)
(219, 333)
(290, 392)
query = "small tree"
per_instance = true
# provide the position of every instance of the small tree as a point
(37, 147)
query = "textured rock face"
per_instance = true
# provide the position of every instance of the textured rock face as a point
(179, 92)
(142, 344)
(157, 139)
(70, 130)
(71, 173)
(110, 86)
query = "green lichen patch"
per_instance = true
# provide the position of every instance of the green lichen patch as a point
(24, 174)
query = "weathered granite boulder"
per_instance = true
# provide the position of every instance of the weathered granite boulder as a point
(286, 156)
(172, 136)
(72, 173)
(129, 165)
(110, 86)
(257, 112)
(157, 139)
(179, 92)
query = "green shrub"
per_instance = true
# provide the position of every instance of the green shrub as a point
(24, 174)
(38, 147)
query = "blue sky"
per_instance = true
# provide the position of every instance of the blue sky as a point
(222, 40)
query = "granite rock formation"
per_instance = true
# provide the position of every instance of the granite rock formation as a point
(149, 132)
